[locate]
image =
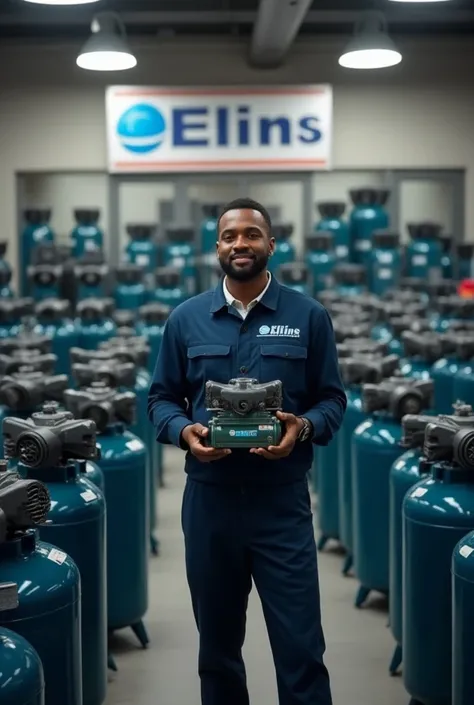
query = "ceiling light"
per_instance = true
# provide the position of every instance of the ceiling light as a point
(61, 2)
(107, 49)
(370, 47)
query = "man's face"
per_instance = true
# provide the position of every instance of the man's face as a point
(244, 244)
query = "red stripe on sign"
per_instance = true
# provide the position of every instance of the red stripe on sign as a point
(217, 92)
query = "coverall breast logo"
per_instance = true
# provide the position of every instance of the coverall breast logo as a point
(278, 331)
(141, 128)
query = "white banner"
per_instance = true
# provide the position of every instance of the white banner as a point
(281, 128)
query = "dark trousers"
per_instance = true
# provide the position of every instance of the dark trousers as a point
(233, 535)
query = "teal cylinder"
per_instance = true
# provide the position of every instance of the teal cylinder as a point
(331, 213)
(21, 671)
(94, 324)
(207, 248)
(444, 373)
(142, 248)
(350, 279)
(464, 268)
(124, 464)
(424, 251)
(284, 252)
(367, 215)
(169, 289)
(447, 264)
(375, 447)
(320, 260)
(462, 583)
(93, 473)
(437, 513)
(130, 291)
(35, 232)
(326, 460)
(151, 326)
(463, 383)
(384, 262)
(86, 236)
(49, 612)
(54, 322)
(295, 276)
(180, 252)
(76, 525)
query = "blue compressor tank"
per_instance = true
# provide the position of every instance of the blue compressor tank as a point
(124, 464)
(35, 232)
(142, 248)
(130, 291)
(169, 289)
(367, 215)
(350, 279)
(296, 276)
(320, 260)
(331, 213)
(55, 322)
(207, 245)
(464, 265)
(405, 472)
(45, 281)
(462, 584)
(284, 252)
(92, 278)
(11, 313)
(179, 252)
(384, 261)
(94, 322)
(424, 251)
(75, 522)
(48, 613)
(86, 236)
(451, 371)
(21, 670)
(437, 513)
(151, 325)
(375, 447)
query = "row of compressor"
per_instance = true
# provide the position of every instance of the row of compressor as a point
(84, 574)
(95, 321)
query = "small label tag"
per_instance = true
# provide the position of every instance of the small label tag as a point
(342, 251)
(142, 260)
(419, 260)
(57, 556)
(135, 444)
(265, 428)
(363, 245)
(419, 492)
(465, 551)
(88, 496)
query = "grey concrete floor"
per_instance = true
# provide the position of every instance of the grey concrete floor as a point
(359, 644)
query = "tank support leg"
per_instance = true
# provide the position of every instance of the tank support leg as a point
(348, 561)
(322, 542)
(111, 662)
(154, 545)
(362, 595)
(396, 661)
(141, 633)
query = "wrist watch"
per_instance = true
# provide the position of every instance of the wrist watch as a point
(307, 430)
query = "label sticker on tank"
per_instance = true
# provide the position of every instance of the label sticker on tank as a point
(135, 444)
(57, 556)
(342, 251)
(419, 260)
(384, 274)
(419, 492)
(265, 428)
(88, 496)
(363, 245)
(465, 551)
(142, 260)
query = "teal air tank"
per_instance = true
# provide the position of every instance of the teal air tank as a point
(142, 248)
(375, 447)
(179, 252)
(462, 585)
(124, 464)
(151, 324)
(296, 276)
(437, 513)
(94, 322)
(92, 279)
(207, 246)
(45, 281)
(450, 372)
(320, 260)
(48, 610)
(54, 320)
(384, 261)
(424, 251)
(284, 252)
(21, 670)
(367, 215)
(169, 287)
(350, 279)
(447, 265)
(130, 289)
(86, 235)
(332, 221)
(76, 520)
(464, 265)
(36, 231)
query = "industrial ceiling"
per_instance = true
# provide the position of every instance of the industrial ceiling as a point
(270, 25)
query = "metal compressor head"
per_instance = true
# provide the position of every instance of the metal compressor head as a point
(27, 340)
(413, 427)
(398, 396)
(24, 504)
(33, 359)
(49, 438)
(366, 369)
(127, 348)
(243, 396)
(28, 388)
(89, 366)
(426, 345)
(451, 439)
(102, 404)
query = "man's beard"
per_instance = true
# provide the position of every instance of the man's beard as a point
(244, 274)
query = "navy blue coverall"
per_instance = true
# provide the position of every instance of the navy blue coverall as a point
(245, 517)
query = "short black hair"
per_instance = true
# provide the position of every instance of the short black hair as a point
(248, 204)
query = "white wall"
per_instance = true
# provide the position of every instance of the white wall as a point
(417, 115)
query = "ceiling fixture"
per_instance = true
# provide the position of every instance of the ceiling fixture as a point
(61, 2)
(370, 47)
(107, 49)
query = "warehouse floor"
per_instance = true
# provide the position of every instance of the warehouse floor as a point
(359, 645)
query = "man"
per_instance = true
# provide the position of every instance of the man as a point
(246, 513)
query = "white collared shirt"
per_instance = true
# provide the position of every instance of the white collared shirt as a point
(238, 305)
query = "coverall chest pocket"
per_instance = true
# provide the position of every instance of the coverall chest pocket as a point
(286, 363)
(209, 362)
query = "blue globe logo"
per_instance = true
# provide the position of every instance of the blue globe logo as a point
(264, 330)
(141, 128)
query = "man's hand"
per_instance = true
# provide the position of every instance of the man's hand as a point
(293, 426)
(194, 436)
